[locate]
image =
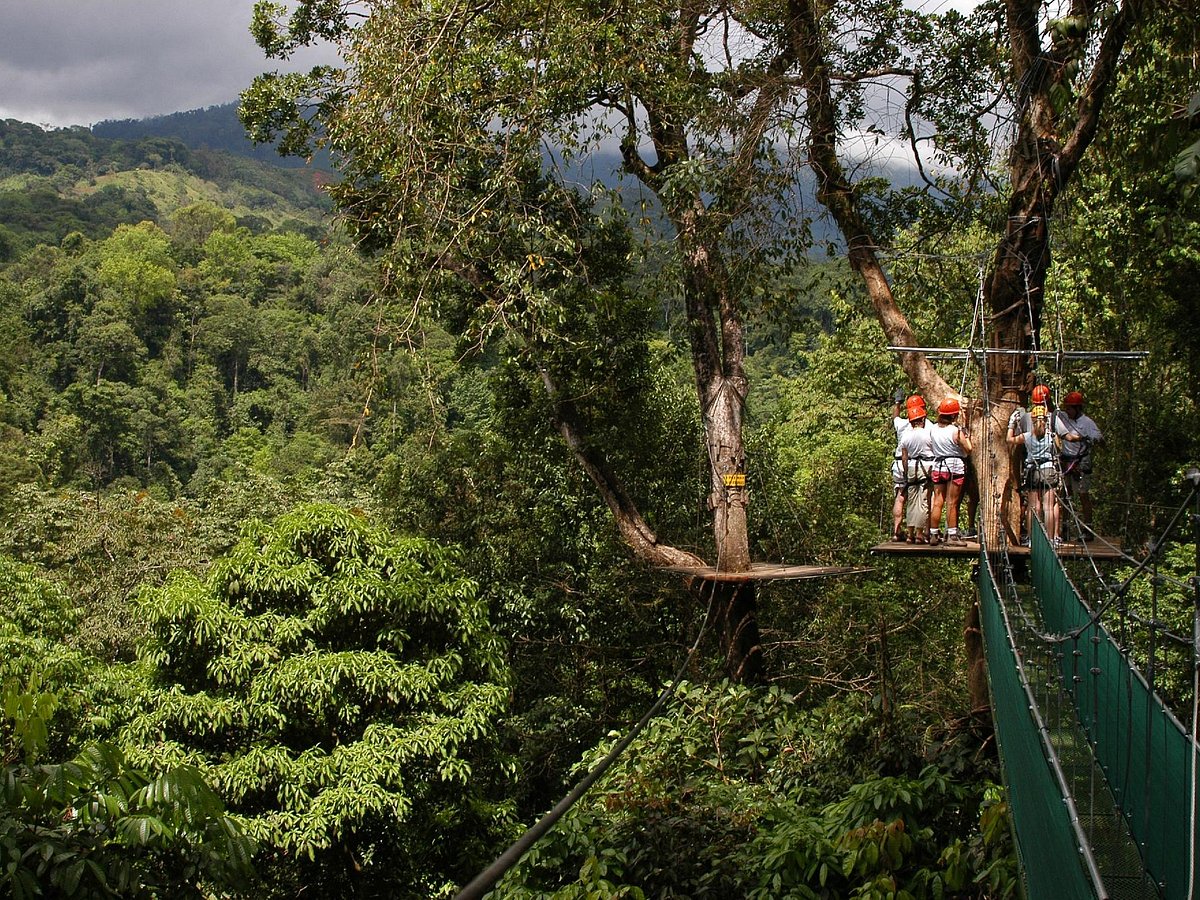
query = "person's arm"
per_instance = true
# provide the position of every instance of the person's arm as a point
(1065, 431)
(964, 439)
(1015, 439)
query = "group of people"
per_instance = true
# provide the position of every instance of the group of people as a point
(1054, 450)
(931, 473)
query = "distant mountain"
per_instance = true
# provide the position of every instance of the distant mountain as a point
(212, 128)
(57, 181)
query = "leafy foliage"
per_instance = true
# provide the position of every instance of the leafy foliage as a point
(342, 688)
(730, 794)
(59, 181)
(38, 645)
(162, 384)
(97, 826)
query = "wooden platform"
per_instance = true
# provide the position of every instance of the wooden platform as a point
(769, 572)
(1101, 548)
(901, 548)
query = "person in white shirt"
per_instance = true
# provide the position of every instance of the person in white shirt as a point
(916, 459)
(950, 445)
(900, 420)
(1079, 434)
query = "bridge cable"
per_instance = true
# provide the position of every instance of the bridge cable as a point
(486, 880)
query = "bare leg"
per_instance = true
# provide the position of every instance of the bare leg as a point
(935, 506)
(971, 489)
(952, 503)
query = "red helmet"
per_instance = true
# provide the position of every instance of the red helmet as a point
(948, 407)
(1073, 399)
(1040, 393)
(916, 411)
(914, 402)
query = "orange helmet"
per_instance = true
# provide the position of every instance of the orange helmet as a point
(948, 407)
(916, 411)
(1040, 393)
(1073, 399)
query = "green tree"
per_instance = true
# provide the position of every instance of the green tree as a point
(743, 793)
(37, 643)
(1128, 277)
(97, 826)
(442, 111)
(191, 227)
(342, 688)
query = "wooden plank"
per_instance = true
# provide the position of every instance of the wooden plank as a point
(901, 548)
(1100, 548)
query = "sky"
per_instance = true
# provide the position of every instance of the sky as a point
(78, 62)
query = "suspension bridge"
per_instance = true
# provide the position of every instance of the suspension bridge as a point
(1101, 775)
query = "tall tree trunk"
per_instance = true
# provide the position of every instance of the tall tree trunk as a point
(735, 608)
(1040, 166)
(718, 342)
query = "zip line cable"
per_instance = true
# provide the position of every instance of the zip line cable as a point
(486, 880)
(977, 321)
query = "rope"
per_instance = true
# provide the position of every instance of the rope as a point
(1195, 708)
(1191, 891)
(976, 320)
(485, 880)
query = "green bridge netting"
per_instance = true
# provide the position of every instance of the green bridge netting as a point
(1053, 862)
(1144, 751)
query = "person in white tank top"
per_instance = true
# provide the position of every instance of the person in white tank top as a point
(949, 445)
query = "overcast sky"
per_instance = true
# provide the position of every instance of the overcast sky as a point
(78, 62)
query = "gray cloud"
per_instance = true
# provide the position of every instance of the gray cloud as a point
(77, 62)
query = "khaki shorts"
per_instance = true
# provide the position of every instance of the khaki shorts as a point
(1042, 478)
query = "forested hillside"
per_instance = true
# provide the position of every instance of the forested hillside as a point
(212, 128)
(68, 180)
(316, 560)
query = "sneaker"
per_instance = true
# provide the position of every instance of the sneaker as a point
(1025, 541)
(955, 540)
(969, 534)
